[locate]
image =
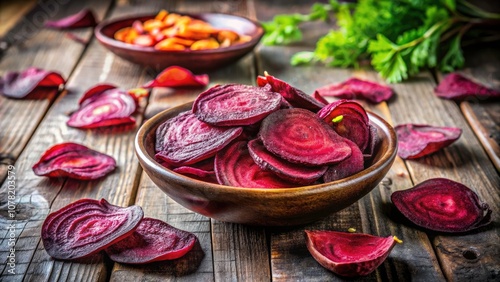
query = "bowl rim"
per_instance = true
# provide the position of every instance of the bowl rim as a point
(98, 32)
(385, 160)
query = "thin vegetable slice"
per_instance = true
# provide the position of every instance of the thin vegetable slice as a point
(442, 204)
(349, 254)
(153, 240)
(294, 96)
(176, 76)
(185, 140)
(457, 87)
(354, 88)
(299, 136)
(289, 171)
(86, 227)
(74, 161)
(84, 18)
(349, 119)
(235, 167)
(417, 140)
(94, 92)
(20, 84)
(353, 164)
(372, 143)
(107, 108)
(235, 104)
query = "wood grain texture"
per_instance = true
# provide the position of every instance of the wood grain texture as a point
(465, 162)
(47, 49)
(231, 252)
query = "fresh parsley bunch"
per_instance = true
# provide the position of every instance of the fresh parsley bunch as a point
(399, 37)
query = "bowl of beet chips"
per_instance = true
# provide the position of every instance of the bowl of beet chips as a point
(265, 155)
(159, 46)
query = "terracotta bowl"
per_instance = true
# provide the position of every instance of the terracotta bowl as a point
(196, 61)
(266, 207)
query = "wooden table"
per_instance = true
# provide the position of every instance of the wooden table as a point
(230, 252)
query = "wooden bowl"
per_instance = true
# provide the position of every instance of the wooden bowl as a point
(196, 61)
(266, 207)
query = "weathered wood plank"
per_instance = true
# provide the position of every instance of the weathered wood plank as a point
(11, 12)
(484, 115)
(415, 258)
(46, 195)
(42, 49)
(465, 162)
(231, 252)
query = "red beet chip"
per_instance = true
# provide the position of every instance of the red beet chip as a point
(441, 204)
(320, 98)
(86, 227)
(84, 18)
(289, 171)
(347, 167)
(294, 96)
(416, 140)
(185, 140)
(20, 84)
(176, 76)
(349, 254)
(357, 88)
(235, 167)
(457, 87)
(299, 136)
(372, 143)
(153, 240)
(74, 161)
(235, 104)
(100, 107)
(349, 119)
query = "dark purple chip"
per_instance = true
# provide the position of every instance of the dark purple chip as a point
(20, 84)
(153, 240)
(294, 96)
(458, 87)
(441, 204)
(303, 175)
(185, 140)
(74, 161)
(347, 167)
(86, 227)
(84, 18)
(235, 104)
(357, 88)
(299, 136)
(235, 167)
(416, 140)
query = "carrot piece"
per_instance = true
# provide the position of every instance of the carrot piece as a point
(205, 44)
(131, 35)
(122, 33)
(161, 15)
(169, 44)
(152, 24)
(230, 35)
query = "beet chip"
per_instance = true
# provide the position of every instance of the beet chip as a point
(86, 227)
(185, 140)
(357, 88)
(235, 167)
(235, 104)
(456, 86)
(299, 136)
(176, 76)
(74, 161)
(20, 84)
(84, 18)
(153, 240)
(349, 119)
(441, 204)
(349, 254)
(347, 167)
(294, 96)
(103, 106)
(416, 141)
(289, 171)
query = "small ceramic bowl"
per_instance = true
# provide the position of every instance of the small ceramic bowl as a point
(265, 207)
(196, 61)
